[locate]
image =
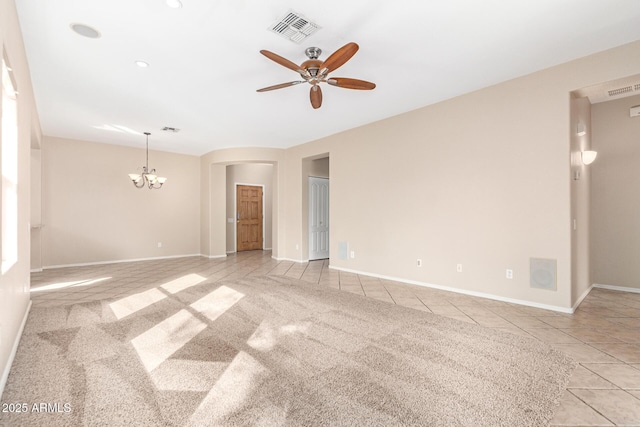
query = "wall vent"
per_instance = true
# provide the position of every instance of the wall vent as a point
(621, 91)
(294, 26)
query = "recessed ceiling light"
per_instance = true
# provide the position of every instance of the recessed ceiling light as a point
(85, 30)
(176, 4)
(142, 64)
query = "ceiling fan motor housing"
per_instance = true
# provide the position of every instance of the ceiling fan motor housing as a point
(312, 66)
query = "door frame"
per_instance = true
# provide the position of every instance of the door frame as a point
(235, 213)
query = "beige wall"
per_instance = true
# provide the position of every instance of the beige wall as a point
(580, 200)
(14, 283)
(213, 196)
(36, 209)
(254, 174)
(483, 180)
(616, 194)
(93, 213)
(319, 167)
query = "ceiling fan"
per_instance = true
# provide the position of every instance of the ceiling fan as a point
(314, 71)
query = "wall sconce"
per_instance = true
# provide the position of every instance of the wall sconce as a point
(588, 157)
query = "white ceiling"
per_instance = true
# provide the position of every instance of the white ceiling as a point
(205, 64)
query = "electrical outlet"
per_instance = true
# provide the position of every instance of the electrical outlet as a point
(509, 274)
(459, 268)
(353, 254)
(419, 262)
(297, 247)
(159, 244)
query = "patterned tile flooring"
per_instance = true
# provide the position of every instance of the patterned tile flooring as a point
(603, 335)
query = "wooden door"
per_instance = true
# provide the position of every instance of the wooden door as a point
(318, 218)
(249, 217)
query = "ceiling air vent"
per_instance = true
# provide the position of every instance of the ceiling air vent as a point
(168, 129)
(295, 27)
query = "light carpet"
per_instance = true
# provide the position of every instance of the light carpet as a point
(274, 351)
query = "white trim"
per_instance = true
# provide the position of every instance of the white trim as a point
(214, 256)
(460, 291)
(617, 288)
(235, 213)
(14, 350)
(266, 249)
(124, 260)
(301, 261)
(582, 297)
(36, 270)
(231, 252)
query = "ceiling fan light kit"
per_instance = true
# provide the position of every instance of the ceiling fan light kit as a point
(315, 71)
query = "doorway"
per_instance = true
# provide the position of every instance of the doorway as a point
(318, 218)
(249, 217)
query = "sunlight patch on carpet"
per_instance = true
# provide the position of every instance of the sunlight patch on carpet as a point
(134, 303)
(232, 391)
(158, 343)
(183, 283)
(214, 304)
(267, 335)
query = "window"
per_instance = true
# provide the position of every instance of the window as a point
(9, 143)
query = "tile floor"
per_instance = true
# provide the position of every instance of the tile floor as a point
(603, 335)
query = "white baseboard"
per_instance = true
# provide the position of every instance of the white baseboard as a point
(300, 261)
(14, 350)
(36, 270)
(617, 288)
(460, 291)
(582, 297)
(231, 252)
(125, 260)
(214, 256)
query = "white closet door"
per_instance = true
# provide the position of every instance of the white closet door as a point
(318, 218)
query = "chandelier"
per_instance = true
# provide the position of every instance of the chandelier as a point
(148, 176)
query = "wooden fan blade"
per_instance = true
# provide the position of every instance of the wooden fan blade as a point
(280, 86)
(339, 57)
(348, 83)
(316, 96)
(282, 61)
